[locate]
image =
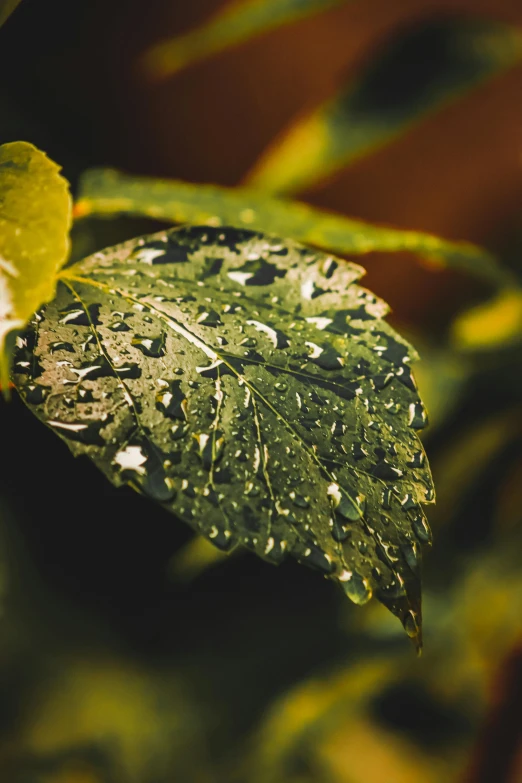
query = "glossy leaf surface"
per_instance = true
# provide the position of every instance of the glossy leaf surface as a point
(252, 387)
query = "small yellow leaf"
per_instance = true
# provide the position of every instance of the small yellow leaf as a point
(35, 218)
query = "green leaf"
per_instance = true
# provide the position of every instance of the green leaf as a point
(232, 26)
(6, 9)
(35, 218)
(107, 192)
(250, 386)
(420, 72)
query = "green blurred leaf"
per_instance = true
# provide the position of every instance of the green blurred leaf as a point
(419, 73)
(35, 218)
(236, 23)
(250, 386)
(107, 192)
(6, 9)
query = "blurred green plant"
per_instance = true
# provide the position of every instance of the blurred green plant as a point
(419, 72)
(491, 325)
(235, 24)
(110, 193)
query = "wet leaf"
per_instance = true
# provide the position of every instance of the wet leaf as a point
(6, 9)
(35, 217)
(249, 385)
(419, 73)
(107, 192)
(235, 24)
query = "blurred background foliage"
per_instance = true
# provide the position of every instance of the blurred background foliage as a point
(131, 652)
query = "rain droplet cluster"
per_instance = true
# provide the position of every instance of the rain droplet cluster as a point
(251, 386)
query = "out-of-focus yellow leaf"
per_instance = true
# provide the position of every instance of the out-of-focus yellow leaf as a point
(6, 9)
(359, 751)
(236, 23)
(311, 710)
(35, 218)
(108, 192)
(330, 725)
(99, 715)
(495, 324)
(420, 72)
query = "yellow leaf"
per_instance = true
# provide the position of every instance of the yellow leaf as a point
(35, 218)
(491, 325)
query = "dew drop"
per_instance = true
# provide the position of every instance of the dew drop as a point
(209, 318)
(76, 314)
(340, 532)
(179, 431)
(421, 529)
(150, 346)
(417, 460)
(356, 587)
(299, 500)
(411, 554)
(60, 345)
(87, 432)
(222, 539)
(34, 394)
(410, 624)
(119, 326)
(315, 558)
(358, 452)
(383, 470)
(418, 418)
(343, 504)
(172, 402)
